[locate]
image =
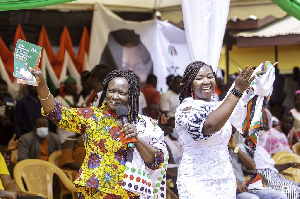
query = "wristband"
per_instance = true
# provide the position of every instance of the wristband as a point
(236, 92)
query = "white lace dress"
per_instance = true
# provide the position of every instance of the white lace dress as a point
(205, 170)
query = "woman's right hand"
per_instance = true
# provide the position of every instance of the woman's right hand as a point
(244, 79)
(38, 75)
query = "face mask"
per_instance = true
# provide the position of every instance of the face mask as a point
(42, 132)
(175, 134)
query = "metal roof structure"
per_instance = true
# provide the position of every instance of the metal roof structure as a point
(285, 26)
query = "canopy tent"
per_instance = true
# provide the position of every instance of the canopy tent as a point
(171, 9)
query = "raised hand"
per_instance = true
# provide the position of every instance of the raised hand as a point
(244, 79)
(13, 144)
(38, 75)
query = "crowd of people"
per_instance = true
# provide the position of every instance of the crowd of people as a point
(184, 139)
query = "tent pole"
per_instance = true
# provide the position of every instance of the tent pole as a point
(227, 40)
(276, 53)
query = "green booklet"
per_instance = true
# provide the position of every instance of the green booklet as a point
(26, 56)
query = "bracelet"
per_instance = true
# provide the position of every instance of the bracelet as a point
(45, 98)
(236, 92)
(8, 152)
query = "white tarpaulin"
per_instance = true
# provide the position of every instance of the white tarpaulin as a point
(204, 23)
(144, 47)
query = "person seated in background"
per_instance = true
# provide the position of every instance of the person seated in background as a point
(239, 160)
(27, 109)
(295, 135)
(286, 127)
(150, 92)
(86, 89)
(271, 139)
(170, 99)
(275, 123)
(175, 153)
(73, 154)
(68, 94)
(96, 77)
(153, 111)
(266, 166)
(171, 139)
(39, 143)
(7, 106)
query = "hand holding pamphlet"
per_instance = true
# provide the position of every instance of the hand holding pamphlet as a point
(26, 56)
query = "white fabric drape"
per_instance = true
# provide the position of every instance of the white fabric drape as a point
(204, 23)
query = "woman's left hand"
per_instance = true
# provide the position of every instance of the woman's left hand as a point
(129, 131)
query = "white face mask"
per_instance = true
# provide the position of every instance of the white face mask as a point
(175, 134)
(42, 132)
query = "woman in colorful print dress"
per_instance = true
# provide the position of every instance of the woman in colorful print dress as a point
(204, 130)
(103, 172)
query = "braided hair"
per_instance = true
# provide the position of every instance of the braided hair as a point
(134, 90)
(189, 75)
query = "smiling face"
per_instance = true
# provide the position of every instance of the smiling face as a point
(204, 84)
(117, 93)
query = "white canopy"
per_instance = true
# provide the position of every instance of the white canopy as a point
(171, 9)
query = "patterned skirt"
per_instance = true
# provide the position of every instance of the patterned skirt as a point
(91, 193)
(278, 182)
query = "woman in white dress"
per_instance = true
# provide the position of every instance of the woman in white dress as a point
(205, 170)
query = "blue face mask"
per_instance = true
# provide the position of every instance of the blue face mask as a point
(175, 134)
(42, 132)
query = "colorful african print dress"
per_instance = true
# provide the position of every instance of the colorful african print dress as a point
(101, 174)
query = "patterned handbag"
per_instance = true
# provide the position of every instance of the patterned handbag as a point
(136, 177)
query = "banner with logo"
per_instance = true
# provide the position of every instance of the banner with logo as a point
(145, 47)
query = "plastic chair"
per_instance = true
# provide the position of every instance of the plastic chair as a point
(37, 175)
(170, 194)
(296, 148)
(283, 157)
(54, 159)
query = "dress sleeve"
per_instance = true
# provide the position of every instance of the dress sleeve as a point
(192, 120)
(71, 119)
(151, 133)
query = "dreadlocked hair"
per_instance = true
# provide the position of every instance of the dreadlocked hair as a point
(134, 90)
(189, 75)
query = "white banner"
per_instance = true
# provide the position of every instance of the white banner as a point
(145, 47)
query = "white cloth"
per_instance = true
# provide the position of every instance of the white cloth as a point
(204, 24)
(205, 170)
(169, 101)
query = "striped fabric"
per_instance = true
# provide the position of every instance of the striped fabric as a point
(278, 182)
